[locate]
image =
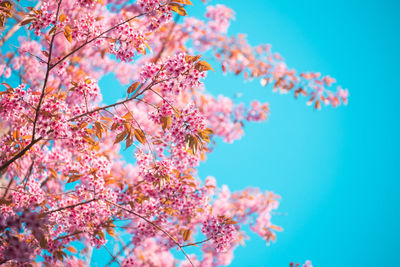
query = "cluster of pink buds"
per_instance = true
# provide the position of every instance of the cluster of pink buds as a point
(221, 230)
(87, 3)
(31, 196)
(44, 17)
(149, 5)
(190, 121)
(163, 111)
(174, 74)
(130, 41)
(159, 10)
(85, 27)
(88, 89)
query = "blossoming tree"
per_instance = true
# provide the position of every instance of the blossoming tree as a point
(63, 182)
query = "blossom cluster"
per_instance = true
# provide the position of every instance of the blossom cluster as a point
(220, 231)
(174, 75)
(44, 17)
(130, 41)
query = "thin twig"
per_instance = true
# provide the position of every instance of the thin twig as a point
(197, 243)
(177, 112)
(71, 206)
(119, 253)
(20, 154)
(8, 188)
(97, 37)
(45, 78)
(152, 224)
(66, 236)
(112, 256)
(28, 174)
(140, 127)
(113, 105)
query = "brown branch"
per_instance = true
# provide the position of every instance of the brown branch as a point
(101, 108)
(29, 53)
(71, 206)
(8, 188)
(66, 236)
(46, 77)
(197, 243)
(177, 112)
(119, 253)
(141, 100)
(95, 38)
(112, 256)
(20, 154)
(117, 103)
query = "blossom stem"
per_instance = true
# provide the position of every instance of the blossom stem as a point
(152, 224)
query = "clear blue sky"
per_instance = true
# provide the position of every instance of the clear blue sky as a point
(336, 169)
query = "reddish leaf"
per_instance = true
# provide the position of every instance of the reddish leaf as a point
(186, 234)
(133, 87)
(140, 136)
(178, 9)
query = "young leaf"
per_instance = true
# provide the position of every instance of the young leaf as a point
(230, 221)
(186, 234)
(140, 136)
(129, 141)
(53, 172)
(127, 116)
(52, 30)
(72, 249)
(62, 17)
(110, 231)
(67, 34)
(133, 87)
(27, 21)
(120, 137)
(184, 2)
(166, 122)
(7, 86)
(203, 66)
(99, 130)
(74, 178)
(178, 9)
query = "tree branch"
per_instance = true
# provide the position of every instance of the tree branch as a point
(95, 38)
(20, 154)
(46, 77)
(71, 206)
